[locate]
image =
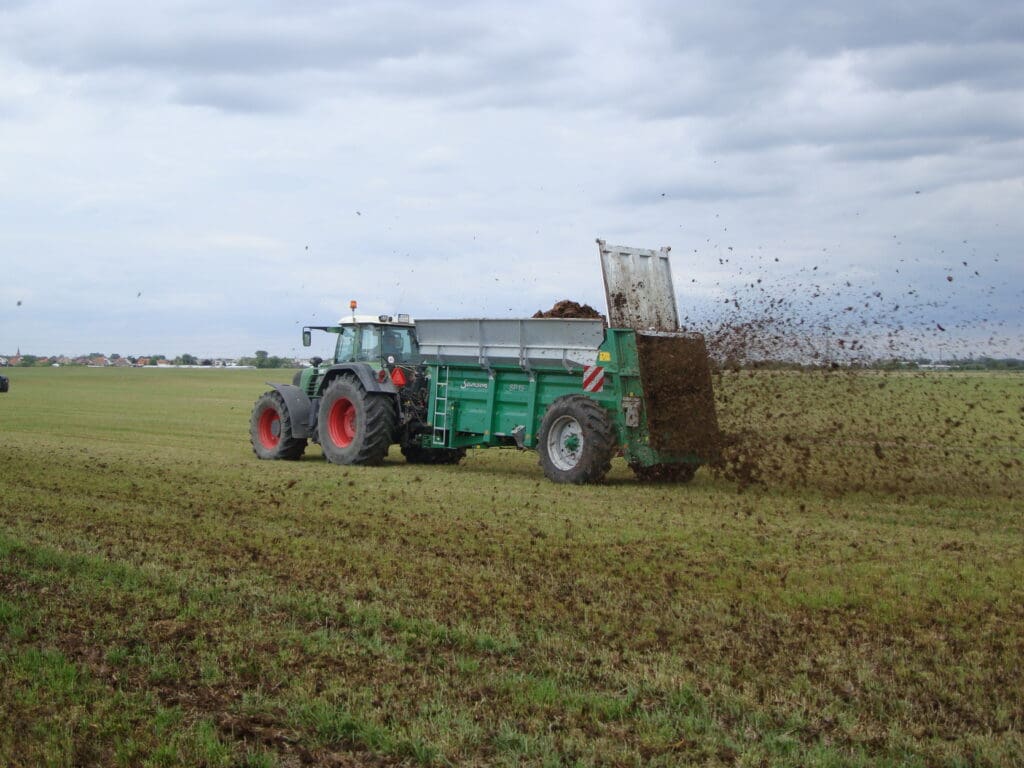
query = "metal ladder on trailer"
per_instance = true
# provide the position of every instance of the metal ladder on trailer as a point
(440, 434)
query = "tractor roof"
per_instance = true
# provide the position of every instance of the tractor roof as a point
(406, 322)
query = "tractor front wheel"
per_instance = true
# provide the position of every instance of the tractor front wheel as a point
(576, 441)
(270, 429)
(355, 427)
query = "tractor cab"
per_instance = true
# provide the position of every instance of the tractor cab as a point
(381, 341)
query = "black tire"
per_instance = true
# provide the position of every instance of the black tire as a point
(664, 473)
(355, 427)
(270, 429)
(416, 454)
(577, 441)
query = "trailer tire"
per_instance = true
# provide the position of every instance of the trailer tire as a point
(577, 441)
(355, 427)
(416, 454)
(664, 473)
(270, 429)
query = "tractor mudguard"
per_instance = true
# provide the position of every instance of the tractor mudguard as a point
(299, 406)
(367, 377)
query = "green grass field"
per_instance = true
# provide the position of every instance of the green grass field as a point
(166, 599)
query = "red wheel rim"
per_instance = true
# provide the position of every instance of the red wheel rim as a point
(269, 428)
(341, 422)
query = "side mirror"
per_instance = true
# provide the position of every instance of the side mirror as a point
(307, 338)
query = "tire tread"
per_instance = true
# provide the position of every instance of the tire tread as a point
(381, 422)
(599, 436)
(288, 448)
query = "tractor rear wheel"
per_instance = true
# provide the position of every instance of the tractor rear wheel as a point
(416, 454)
(577, 441)
(355, 427)
(664, 473)
(270, 429)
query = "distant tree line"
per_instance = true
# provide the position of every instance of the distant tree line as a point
(989, 364)
(260, 360)
(264, 360)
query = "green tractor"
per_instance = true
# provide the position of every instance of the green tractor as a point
(576, 391)
(369, 397)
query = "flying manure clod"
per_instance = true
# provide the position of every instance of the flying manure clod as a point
(575, 391)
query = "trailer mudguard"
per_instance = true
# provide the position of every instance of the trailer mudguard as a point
(300, 408)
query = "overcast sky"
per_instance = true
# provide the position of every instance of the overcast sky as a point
(206, 177)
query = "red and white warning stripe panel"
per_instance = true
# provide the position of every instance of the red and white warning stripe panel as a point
(593, 378)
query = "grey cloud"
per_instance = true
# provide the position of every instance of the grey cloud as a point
(749, 29)
(881, 130)
(216, 58)
(274, 45)
(994, 67)
(699, 85)
(237, 95)
(884, 150)
(703, 190)
(702, 61)
(900, 137)
(752, 55)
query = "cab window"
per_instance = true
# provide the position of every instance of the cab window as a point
(346, 342)
(400, 344)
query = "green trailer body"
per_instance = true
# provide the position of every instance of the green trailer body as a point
(629, 374)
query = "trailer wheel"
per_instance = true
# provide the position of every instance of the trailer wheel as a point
(664, 473)
(355, 427)
(270, 429)
(576, 441)
(416, 454)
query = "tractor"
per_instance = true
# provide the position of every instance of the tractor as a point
(372, 395)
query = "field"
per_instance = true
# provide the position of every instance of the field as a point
(166, 599)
